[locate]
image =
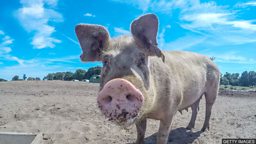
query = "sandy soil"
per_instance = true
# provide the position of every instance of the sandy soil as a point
(66, 113)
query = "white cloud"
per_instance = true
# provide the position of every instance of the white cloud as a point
(251, 3)
(5, 42)
(41, 41)
(246, 4)
(199, 20)
(35, 16)
(243, 24)
(210, 20)
(14, 58)
(35, 11)
(208, 16)
(219, 23)
(196, 14)
(6, 50)
(89, 15)
(51, 2)
(212, 24)
(121, 31)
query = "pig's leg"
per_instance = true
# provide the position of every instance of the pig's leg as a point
(194, 108)
(210, 97)
(164, 130)
(141, 129)
(207, 116)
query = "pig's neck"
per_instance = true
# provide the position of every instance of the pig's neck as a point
(159, 81)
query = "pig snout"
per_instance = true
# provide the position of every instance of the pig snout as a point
(120, 100)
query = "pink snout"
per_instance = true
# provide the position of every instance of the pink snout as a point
(120, 100)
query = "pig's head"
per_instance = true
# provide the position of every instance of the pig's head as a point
(125, 73)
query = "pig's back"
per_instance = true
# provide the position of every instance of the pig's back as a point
(188, 64)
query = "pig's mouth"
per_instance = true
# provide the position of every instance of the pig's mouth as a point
(124, 118)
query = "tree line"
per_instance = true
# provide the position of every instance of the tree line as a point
(79, 74)
(17, 78)
(247, 78)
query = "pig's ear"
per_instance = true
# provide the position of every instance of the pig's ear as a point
(144, 30)
(94, 39)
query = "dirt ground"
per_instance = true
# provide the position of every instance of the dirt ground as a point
(67, 113)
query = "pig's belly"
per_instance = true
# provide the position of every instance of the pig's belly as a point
(190, 97)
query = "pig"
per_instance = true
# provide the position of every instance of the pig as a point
(140, 82)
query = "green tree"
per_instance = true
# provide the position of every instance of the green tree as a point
(224, 81)
(24, 77)
(252, 78)
(50, 76)
(59, 76)
(79, 74)
(228, 76)
(234, 79)
(2, 80)
(15, 78)
(244, 79)
(31, 79)
(68, 76)
(92, 71)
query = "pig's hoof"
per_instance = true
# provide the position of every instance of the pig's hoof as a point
(189, 127)
(205, 128)
(139, 142)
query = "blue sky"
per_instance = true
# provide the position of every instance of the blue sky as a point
(37, 36)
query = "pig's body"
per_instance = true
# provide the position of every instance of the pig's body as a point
(184, 75)
(139, 81)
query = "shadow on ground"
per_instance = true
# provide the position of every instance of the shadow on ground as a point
(177, 136)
